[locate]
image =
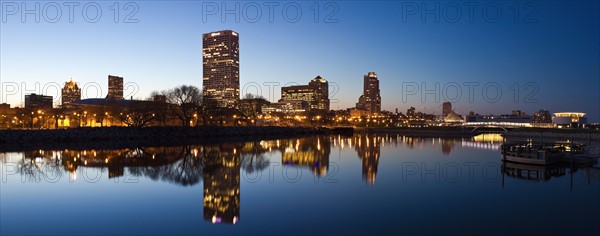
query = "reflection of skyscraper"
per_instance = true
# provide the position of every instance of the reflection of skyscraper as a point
(447, 145)
(312, 152)
(221, 68)
(222, 185)
(368, 148)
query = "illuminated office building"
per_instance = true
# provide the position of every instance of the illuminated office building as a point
(35, 101)
(371, 99)
(115, 87)
(316, 94)
(221, 68)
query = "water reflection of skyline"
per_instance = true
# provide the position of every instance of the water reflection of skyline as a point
(219, 166)
(179, 164)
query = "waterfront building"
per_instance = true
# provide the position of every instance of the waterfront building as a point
(569, 120)
(316, 94)
(115, 88)
(370, 100)
(70, 93)
(286, 106)
(35, 101)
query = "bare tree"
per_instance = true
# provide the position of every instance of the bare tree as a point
(251, 105)
(140, 113)
(184, 102)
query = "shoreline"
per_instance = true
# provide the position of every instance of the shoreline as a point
(128, 137)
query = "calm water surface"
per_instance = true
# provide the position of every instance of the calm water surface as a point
(357, 185)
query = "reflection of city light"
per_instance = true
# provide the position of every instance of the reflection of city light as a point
(235, 219)
(319, 144)
(478, 145)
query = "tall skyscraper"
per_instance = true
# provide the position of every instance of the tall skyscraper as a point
(316, 93)
(70, 93)
(371, 99)
(221, 68)
(446, 108)
(115, 87)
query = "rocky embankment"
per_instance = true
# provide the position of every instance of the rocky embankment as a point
(121, 137)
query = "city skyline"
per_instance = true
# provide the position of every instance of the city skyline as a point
(530, 73)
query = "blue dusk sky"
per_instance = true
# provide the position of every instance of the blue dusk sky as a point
(487, 57)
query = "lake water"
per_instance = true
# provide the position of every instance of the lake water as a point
(365, 184)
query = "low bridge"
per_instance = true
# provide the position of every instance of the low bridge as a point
(494, 126)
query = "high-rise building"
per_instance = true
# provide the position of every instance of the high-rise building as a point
(446, 108)
(115, 87)
(35, 101)
(221, 68)
(316, 93)
(371, 98)
(410, 113)
(70, 93)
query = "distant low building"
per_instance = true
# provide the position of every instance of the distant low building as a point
(316, 94)
(36, 101)
(286, 106)
(357, 113)
(569, 120)
(453, 118)
(4, 107)
(498, 119)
